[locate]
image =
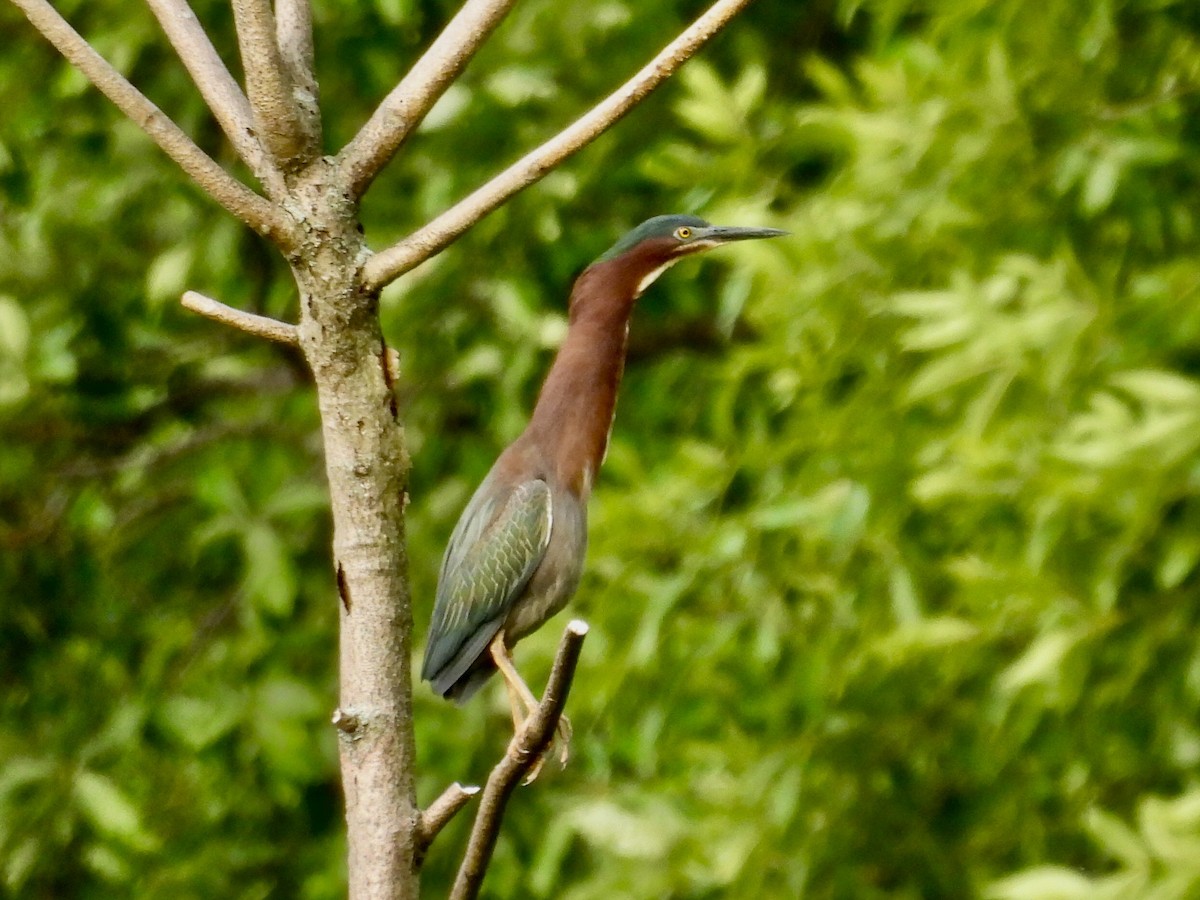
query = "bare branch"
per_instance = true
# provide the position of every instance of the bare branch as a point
(440, 812)
(294, 35)
(259, 214)
(267, 84)
(408, 103)
(218, 88)
(389, 264)
(523, 752)
(261, 326)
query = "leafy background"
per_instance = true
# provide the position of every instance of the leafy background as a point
(894, 562)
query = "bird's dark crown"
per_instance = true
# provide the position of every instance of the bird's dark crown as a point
(658, 227)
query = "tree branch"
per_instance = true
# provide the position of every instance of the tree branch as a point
(523, 751)
(389, 264)
(406, 106)
(294, 35)
(259, 214)
(218, 88)
(268, 86)
(440, 812)
(260, 326)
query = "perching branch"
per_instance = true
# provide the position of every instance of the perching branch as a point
(389, 264)
(218, 88)
(248, 206)
(260, 326)
(526, 748)
(439, 813)
(269, 87)
(408, 103)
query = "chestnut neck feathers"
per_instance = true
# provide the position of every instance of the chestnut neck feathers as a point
(573, 417)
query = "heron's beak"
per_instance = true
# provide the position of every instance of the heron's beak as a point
(723, 234)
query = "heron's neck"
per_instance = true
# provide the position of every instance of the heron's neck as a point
(573, 417)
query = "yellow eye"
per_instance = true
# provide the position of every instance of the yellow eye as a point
(683, 232)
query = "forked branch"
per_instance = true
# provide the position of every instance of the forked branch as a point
(294, 34)
(287, 136)
(408, 103)
(248, 206)
(218, 88)
(526, 748)
(389, 264)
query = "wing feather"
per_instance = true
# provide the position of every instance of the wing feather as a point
(497, 545)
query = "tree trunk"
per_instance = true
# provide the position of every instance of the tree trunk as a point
(367, 466)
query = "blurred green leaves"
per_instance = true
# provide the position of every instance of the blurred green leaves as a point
(1145, 417)
(1157, 861)
(14, 344)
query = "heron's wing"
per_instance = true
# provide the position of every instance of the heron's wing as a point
(496, 547)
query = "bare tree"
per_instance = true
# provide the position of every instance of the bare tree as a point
(308, 209)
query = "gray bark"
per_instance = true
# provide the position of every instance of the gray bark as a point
(367, 467)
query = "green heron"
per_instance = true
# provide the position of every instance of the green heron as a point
(516, 554)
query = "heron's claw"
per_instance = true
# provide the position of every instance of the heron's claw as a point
(564, 740)
(517, 751)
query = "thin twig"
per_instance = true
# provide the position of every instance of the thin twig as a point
(525, 749)
(439, 813)
(268, 85)
(294, 35)
(389, 264)
(259, 214)
(218, 88)
(406, 106)
(261, 326)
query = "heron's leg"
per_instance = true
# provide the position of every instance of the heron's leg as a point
(519, 690)
(514, 704)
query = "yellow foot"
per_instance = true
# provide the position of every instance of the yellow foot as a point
(534, 771)
(563, 740)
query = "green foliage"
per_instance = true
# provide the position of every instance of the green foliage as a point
(894, 560)
(1159, 860)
